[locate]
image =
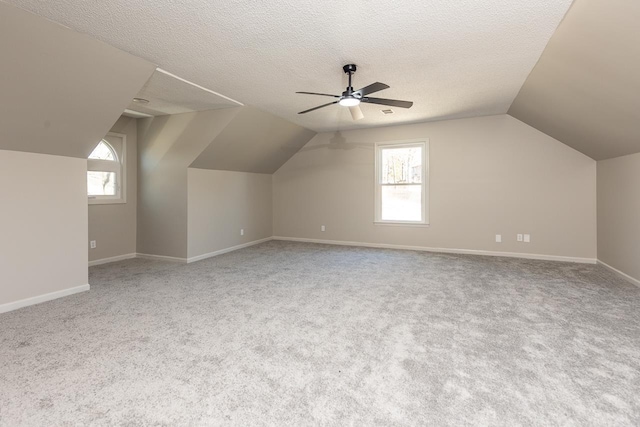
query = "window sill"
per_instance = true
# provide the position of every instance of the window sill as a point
(402, 224)
(106, 201)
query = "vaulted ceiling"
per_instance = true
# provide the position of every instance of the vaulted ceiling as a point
(585, 90)
(576, 78)
(253, 141)
(236, 139)
(453, 59)
(60, 91)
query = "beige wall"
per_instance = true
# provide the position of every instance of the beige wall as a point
(43, 247)
(489, 175)
(223, 202)
(619, 213)
(113, 226)
(166, 147)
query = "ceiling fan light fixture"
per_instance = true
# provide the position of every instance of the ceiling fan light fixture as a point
(349, 102)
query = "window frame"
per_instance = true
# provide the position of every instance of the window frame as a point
(119, 166)
(379, 147)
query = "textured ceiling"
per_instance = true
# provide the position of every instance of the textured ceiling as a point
(169, 95)
(453, 59)
(585, 91)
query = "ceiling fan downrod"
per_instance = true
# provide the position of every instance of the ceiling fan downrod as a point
(349, 69)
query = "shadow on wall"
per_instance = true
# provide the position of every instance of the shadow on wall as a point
(338, 142)
(159, 135)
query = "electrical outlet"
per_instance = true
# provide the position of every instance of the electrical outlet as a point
(242, 231)
(93, 244)
(527, 238)
(498, 238)
(519, 237)
(322, 228)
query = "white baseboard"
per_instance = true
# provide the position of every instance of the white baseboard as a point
(177, 259)
(226, 250)
(111, 259)
(162, 258)
(443, 250)
(625, 276)
(10, 306)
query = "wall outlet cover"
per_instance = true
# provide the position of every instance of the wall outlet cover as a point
(527, 238)
(498, 238)
(519, 237)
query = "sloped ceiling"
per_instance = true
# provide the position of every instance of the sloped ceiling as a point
(169, 95)
(240, 139)
(585, 90)
(254, 141)
(60, 91)
(452, 58)
(177, 140)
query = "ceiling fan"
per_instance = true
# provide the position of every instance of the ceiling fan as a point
(352, 98)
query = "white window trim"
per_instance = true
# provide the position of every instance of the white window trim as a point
(108, 166)
(424, 143)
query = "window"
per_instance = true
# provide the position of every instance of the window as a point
(106, 170)
(402, 182)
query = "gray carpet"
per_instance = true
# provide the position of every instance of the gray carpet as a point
(303, 334)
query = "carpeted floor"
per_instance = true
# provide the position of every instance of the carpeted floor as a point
(304, 334)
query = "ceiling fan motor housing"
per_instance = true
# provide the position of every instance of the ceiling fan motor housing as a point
(349, 68)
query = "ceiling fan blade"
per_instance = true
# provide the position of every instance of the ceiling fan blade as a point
(316, 108)
(356, 113)
(321, 94)
(390, 102)
(373, 87)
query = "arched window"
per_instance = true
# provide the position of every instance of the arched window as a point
(103, 151)
(105, 170)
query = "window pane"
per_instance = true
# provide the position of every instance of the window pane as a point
(401, 203)
(401, 165)
(102, 152)
(101, 183)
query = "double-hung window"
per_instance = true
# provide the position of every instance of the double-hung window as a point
(106, 170)
(402, 183)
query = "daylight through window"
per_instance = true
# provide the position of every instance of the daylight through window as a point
(105, 170)
(401, 183)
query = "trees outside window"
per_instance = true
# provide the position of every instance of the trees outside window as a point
(401, 183)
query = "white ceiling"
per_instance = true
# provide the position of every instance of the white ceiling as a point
(169, 95)
(453, 59)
